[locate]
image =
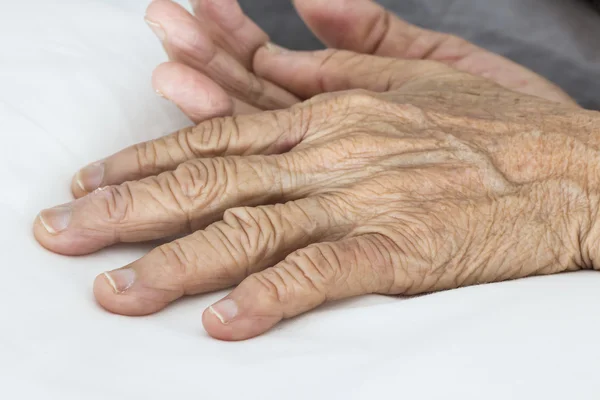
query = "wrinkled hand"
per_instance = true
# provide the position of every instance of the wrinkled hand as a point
(427, 179)
(212, 72)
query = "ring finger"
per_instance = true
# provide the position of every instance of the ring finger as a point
(247, 240)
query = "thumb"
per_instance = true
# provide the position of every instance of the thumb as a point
(307, 74)
(366, 27)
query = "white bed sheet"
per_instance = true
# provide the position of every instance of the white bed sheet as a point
(75, 86)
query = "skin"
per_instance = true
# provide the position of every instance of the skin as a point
(399, 177)
(219, 45)
(216, 70)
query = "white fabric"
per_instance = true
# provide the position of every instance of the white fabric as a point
(74, 87)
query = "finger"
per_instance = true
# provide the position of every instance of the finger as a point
(230, 28)
(186, 42)
(195, 94)
(303, 281)
(310, 73)
(366, 27)
(182, 201)
(266, 133)
(247, 240)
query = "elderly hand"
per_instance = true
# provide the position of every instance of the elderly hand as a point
(426, 179)
(213, 73)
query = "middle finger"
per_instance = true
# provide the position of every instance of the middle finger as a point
(266, 133)
(182, 201)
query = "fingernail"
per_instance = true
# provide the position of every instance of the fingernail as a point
(90, 177)
(161, 94)
(120, 280)
(56, 219)
(225, 310)
(157, 29)
(275, 49)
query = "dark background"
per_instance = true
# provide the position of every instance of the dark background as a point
(559, 39)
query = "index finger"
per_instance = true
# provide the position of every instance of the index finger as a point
(308, 74)
(231, 28)
(272, 132)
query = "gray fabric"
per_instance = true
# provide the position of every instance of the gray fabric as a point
(559, 39)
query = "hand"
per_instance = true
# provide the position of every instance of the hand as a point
(213, 55)
(426, 179)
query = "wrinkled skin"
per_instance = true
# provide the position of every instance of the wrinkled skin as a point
(213, 68)
(399, 177)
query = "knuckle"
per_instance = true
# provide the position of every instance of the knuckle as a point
(315, 270)
(328, 57)
(299, 122)
(383, 276)
(293, 278)
(177, 261)
(211, 138)
(181, 143)
(188, 181)
(181, 185)
(332, 59)
(147, 157)
(271, 286)
(204, 135)
(232, 263)
(286, 121)
(257, 231)
(344, 58)
(118, 202)
(157, 155)
(212, 180)
(378, 31)
(316, 267)
(179, 190)
(200, 182)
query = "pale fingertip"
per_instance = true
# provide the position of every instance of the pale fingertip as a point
(160, 94)
(90, 178)
(216, 314)
(67, 229)
(79, 182)
(225, 310)
(196, 94)
(157, 28)
(55, 220)
(121, 295)
(120, 280)
(241, 327)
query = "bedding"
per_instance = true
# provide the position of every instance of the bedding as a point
(75, 86)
